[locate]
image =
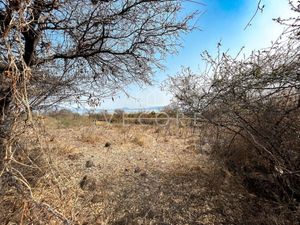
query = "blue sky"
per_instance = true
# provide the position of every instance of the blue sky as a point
(221, 20)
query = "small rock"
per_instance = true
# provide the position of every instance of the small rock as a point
(137, 169)
(193, 196)
(81, 196)
(143, 174)
(150, 214)
(96, 199)
(88, 183)
(89, 164)
(73, 156)
(107, 145)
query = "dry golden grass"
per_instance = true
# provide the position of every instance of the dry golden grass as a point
(64, 148)
(89, 137)
(138, 140)
(143, 177)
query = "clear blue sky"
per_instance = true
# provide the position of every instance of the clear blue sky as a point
(222, 20)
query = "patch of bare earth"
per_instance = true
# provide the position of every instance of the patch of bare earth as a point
(135, 175)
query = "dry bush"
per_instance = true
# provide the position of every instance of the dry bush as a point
(269, 171)
(138, 140)
(254, 105)
(90, 137)
(64, 149)
(16, 198)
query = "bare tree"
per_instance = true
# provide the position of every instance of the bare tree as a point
(59, 50)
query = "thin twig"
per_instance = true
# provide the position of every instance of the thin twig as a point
(259, 8)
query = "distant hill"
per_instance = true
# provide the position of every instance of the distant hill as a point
(147, 109)
(125, 109)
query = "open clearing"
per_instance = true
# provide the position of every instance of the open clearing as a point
(113, 174)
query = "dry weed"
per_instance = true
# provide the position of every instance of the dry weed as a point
(90, 137)
(138, 140)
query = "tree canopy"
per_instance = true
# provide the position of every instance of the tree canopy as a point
(85, 49)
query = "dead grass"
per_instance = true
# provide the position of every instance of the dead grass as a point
(139, 140)
(64, 148)
(140, 179)
(89, 137)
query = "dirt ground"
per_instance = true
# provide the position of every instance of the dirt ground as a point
(134, 174)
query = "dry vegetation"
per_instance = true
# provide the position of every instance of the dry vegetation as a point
(252, 104)
(241, 166)
(110, 174)
(70, 51)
